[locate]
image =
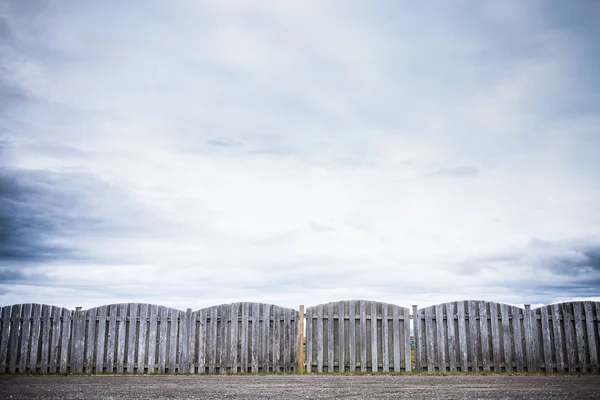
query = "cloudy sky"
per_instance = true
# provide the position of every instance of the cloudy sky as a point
(192, 153)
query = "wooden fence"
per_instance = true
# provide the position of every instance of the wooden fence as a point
(355, 335)
(358, 336)
(145, 338)
(488, 336)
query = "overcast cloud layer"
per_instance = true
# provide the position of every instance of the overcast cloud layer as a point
(192, 153)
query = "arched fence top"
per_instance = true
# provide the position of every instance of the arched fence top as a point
(465, 305)
(357, 305)
(247, 305)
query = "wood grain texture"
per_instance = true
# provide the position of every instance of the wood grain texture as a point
(474, 341)
(578, 316)
(15, 331)
(462, 337)
(517, 315)
(495, 335)
(65, 336)
(397, 362)
(351, 336)
(385, 338)
(142, 340)
(4, 338)
(363, 336)
(341, 334)
(36, 323)
(309, 339)
(121, 337)
(319, 344)
(152, 338)
(558, 337)
(452, 348)
(24, 338)
(507, 337)
(90, 340)
(374, 334)
(484, 343)
(592, 335)
(441, 337)
(330, 338)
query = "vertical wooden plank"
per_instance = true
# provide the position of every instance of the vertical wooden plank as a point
(36, 315)
(211, 343)
(131, 336)
(121, 339)
(173, 328)
(407, 360)
(591, 338)
(90, 340)
(77, 341)
(363, 336)
(294, 325)
(320, 338)
(570, 345)
(300, 346)
(309, 339)
(441, 337)
(55, 344)
(430, 340)
(265, 337)
(418, 337)
(287, 344)
(518, 341)
(15, 331)
(495, 337)
(202, 327)
(4, 339)
(142, 339)
(384, 338)
(65, 335)
(100, 342)
(111, 339)
(162, 338)
(330, 339)
(46, 328)
(185, 322)
(528, 338)
(474, 340)
(580, 336)
(152, 342)
(255, 346)
(396, 338)
(222, 344)
(506, 337)
(341, 337)
(462, 337)
(244, 348)
(374, 334)
(485, 343)
(25, 338)
(351, 336)
(277, 339)
(450, 314)
(558, 337)
(233, 337)
(192, 344)
(548, 362)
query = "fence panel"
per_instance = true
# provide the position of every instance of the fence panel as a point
(339, 332)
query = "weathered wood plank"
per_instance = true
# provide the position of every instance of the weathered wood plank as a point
(341, 337)
(474, 342)
(591, 338)
(185, 322)
(519, 339)
(309, 339)
(36, 315)
(212, 341)
(46, 329)
(111, 339)
(277, 338)
(320, 338)
(162, 338)
(131, 337)
(462, 337)
(121, 337)
(569, 327)
(77, 341)
(495, 333)
(193, 343)
(441, 337)
(528, 332)
(55, 341)
(234, 312)
(374, 334)
(506, 337)
(294, 326)
(202, 328)
(548, 362)
(450, 314)
(559, 350)
(351, 336)
(90, 340)
(385, 358)
(407, 360)
(417, 335)
(25, 338)
(255, 347)
(396, 338)
(580, 336)
(142, 339)
(65, 334)
(266, 319)
(485, 343)
(287, 343)
(152, 342)
(244, 347)
(101, 337)
(363, 336)
(429, 339)
(4, 339)
(222, 343)
(173, 328)
(15, 331)
(330, 339)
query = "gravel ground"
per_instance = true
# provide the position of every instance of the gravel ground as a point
(302, 387)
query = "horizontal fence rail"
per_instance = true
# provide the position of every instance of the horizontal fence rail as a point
(344, 336)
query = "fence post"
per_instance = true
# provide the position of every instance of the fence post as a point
(301, 340)
(417, 338)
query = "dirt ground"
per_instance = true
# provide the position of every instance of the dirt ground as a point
(302, 387)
